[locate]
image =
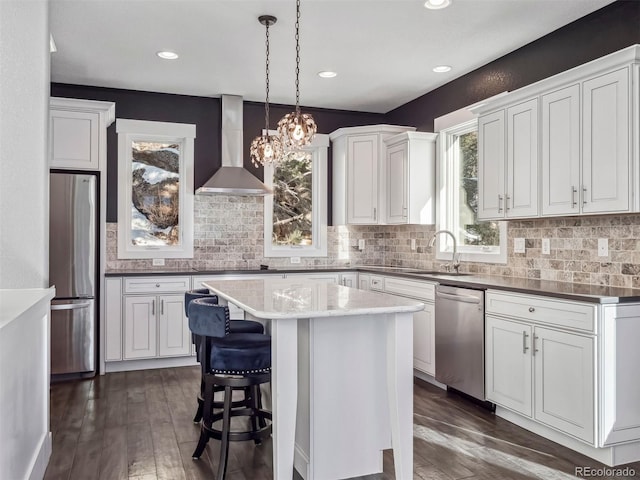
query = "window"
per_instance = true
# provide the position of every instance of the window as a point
(295, 216)
(155, 189)
(478, 241)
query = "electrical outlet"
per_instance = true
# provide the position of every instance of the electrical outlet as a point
(518, 245)
(413, 244)
(361, 244)
(546, 246)
(158, 262)
(295, 259)
(603, 247)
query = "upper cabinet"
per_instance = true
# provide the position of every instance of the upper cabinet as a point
(566, 145)
(77, 133)
(410, 178)
(359, 173)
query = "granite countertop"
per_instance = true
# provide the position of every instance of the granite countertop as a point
(566, 290)
(297, 298)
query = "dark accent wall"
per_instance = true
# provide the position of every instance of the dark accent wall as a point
(602, 32)
(206, 114)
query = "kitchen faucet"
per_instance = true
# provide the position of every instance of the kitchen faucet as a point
(455, 258)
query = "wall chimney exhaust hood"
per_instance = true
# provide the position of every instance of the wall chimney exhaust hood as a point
(232, 178)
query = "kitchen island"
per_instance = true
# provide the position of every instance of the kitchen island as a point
(342, 375)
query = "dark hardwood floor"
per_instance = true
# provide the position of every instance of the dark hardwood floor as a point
(137, 425)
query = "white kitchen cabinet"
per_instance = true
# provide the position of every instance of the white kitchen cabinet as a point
(508, 162)
(588, 140)
(364, 281)
(560, 164)
(359, 183)
(317, 277)
(508, 364)
(410, 176)
(537, 366)
(77, 133)
(606, 148)
(349, 280)
(145, 320)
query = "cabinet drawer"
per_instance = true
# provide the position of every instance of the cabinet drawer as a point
(377, 283)
(410, 288)
(157, 284)
(544, 310)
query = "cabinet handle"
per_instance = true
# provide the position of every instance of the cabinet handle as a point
(162, 306)
(574, 190)
(153, 307)
(499, 203)
(535, 349)
(157, 285)
(531, 309)
(375, 214)
(584, 195)
(524, 342)
(506, 202)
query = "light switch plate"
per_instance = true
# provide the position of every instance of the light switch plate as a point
(158, 262)
(361, 244)
(546, 246)
(518, 245)
(413, 244)
(603, 247)
(295, 259)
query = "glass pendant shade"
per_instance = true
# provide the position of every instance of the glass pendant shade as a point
(265, 149)
(296, 130)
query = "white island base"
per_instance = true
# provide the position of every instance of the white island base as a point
(342, 375)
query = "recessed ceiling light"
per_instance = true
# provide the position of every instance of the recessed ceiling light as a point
(167, 55)
(327, 74)
(441, 68)
(437, 4)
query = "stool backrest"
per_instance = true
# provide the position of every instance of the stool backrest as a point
(207, 318)
(194, 294)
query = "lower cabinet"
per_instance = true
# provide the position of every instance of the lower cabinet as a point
(545, 373)
(364, 281)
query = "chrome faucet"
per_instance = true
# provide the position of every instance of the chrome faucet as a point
(455, 258)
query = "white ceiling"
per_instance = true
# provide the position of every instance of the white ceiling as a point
(383, 50)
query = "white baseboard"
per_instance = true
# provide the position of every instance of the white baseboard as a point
(301, 463)
(428, 378)
(41, 460)
(150, 363)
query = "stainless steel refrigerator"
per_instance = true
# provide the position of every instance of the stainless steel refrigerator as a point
(73, 261)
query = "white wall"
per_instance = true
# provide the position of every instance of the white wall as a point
(24, 179)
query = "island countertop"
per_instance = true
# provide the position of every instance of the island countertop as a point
(298, 298)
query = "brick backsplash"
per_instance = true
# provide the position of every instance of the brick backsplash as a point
(228, 234)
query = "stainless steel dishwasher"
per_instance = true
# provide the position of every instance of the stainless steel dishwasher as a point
(460, 339)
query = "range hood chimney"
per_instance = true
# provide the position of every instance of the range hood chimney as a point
(232, 178)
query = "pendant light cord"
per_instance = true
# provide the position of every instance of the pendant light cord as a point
(298, 56)
(266, 106)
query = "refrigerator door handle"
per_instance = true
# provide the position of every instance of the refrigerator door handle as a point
(71, 306)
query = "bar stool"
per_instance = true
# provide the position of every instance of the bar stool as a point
(236, 326)
(230, 360)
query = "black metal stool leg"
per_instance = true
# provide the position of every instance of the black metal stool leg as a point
(226, 428)
(207, 418)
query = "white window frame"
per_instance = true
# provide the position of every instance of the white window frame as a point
(148, 131)
(319, 159)
(448, 197)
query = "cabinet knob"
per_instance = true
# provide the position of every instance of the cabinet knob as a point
(531, 309)
(158, 285)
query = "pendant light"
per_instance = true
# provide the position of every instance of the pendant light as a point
(266, 148)
(297, 129)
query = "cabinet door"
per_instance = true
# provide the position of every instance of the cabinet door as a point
(561, 151)
(74, 139)
(349, 280)
(508, 364)
(364, 282)
(424, 348)
(140, 339)
(521, 199)
(362, 179)
(491, 166)
(605, 143)
(564, 382)
(397, 190)
(174, 337)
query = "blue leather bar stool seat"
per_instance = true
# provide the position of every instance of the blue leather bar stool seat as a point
(236, 326)
(230, 360)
